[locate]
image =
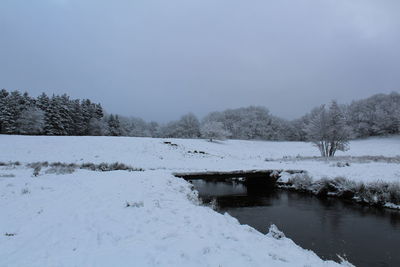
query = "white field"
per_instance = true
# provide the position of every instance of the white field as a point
(81, 219)
(153, 154)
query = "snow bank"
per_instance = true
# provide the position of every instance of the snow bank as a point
(126, 219)
(382, 194)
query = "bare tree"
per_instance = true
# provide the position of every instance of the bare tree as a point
(327, 130)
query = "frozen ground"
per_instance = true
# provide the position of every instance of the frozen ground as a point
(150, 218)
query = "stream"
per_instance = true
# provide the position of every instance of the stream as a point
(364, 235)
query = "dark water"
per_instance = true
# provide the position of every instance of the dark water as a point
(366, 236)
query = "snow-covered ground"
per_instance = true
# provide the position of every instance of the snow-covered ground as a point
(82, 219)
(150, 218)
(152, 154)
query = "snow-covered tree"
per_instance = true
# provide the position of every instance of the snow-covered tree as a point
(54, 122)
(327, 130)
(296, 129)
(187, 127)
(249, 123)
(3, 109)
(12, 106)
(97, 127)
(376, 115)
(65, 112)
(132, 126)
(153, 129)
(339, 133)
(31, 121)
(114, 127)
(213, 130)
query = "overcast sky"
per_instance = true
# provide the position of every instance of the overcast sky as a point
(160, 59)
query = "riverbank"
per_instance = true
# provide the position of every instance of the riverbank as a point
(381, 194)
(122, 218)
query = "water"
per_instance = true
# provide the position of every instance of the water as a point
(366, 236)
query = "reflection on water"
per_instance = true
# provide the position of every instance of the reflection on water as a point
(366, 236)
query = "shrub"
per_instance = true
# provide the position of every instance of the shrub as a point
(301, 182)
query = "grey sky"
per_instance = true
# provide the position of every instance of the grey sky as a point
(160, 59)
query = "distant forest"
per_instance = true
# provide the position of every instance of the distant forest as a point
(61, 115)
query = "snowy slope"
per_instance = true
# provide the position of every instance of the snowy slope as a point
(82, 219)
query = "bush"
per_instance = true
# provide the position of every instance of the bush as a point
(301, 182)
(65, 168)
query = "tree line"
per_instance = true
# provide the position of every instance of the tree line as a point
(61, 115)
(44, 115)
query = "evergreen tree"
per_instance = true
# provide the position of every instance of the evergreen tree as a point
(114, 128)
(79, 127)
(3, 100)
(53, 119)
(65, 113)
(31, 121)
(14, 103)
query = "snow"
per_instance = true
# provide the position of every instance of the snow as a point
(153, 154)
(82, 219)
(151, 218)
(392, 206)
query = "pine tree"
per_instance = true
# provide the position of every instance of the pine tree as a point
(31, 121)
(79, 127)
(114, 128)
(53, 120)
(14, 103)
(3, 100)
(65, 112)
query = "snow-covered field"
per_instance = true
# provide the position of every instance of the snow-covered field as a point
(153, 154)
(151, 218)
